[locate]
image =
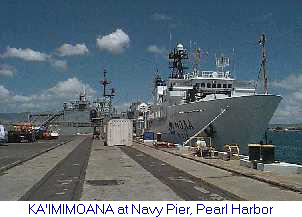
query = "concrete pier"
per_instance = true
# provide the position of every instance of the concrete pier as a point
(112, 175)
(84, 169)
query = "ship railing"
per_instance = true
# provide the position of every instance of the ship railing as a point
(208, 74)
(213, 74)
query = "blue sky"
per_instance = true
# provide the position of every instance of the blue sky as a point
(50, 48)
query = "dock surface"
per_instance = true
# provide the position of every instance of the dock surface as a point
(79, 168)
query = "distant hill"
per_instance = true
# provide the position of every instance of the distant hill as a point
(286, 125)
(14, 117)
(8, 118)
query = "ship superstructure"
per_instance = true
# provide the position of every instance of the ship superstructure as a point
(210, 103)
(82, 104)
(80, 116)
(102, 107)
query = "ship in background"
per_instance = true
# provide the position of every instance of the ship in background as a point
(82, 115)
(211, 103)
(102, 109)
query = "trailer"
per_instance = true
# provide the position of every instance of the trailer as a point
(119, 132)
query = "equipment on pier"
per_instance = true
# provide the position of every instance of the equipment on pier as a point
(254, 152)
(268, 153)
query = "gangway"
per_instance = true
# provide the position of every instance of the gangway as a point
(206, 126)
(51, 118)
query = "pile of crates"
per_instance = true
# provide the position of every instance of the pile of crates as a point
(231, 152)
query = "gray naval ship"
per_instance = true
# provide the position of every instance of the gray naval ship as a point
(82, 116)
(211, 104)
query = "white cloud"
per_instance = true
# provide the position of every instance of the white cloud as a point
(71, 50)
(60, 65)
(161, 51)
(45, 100)
(7, 70)
(292, 82)
(70, 87)
(290, 109)
(157, 50)
(4, 93)
(36, 56)
(160, 17)
(122, 107)
(115, 42)
(25, 54)
(21, 98)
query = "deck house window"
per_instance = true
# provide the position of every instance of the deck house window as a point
(224, 85)
(202, 85)
(218, 85)
(229, 85)
(214, 85)
(208, 85)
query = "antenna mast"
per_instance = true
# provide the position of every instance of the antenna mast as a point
(262, 42)
(176, 64)
(107, 97)
(233, 63)
(222, 62)
(197, 59)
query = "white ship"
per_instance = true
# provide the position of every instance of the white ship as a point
(211, 103)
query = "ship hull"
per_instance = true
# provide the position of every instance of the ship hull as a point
(245, 120)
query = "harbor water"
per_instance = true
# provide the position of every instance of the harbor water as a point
(288, 145)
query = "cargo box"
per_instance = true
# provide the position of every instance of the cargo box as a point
(119, 132)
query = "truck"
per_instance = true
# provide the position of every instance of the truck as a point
(20, 132)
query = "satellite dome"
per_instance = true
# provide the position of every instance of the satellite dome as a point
(143, 107)
(180, 47)
(215, 74)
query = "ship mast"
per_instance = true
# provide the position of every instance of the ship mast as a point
(262, 42)
(105, 83)
(107, 97)
(197, 58)
(176, 65)
(222, 62)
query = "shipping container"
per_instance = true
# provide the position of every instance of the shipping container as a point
(119, 132)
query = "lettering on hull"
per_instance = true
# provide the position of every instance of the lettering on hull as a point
(181, 125)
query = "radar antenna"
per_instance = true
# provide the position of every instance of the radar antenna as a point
(176, 65)
(222, 62)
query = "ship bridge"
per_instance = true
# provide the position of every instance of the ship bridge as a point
(211, 81)
(197, 85)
